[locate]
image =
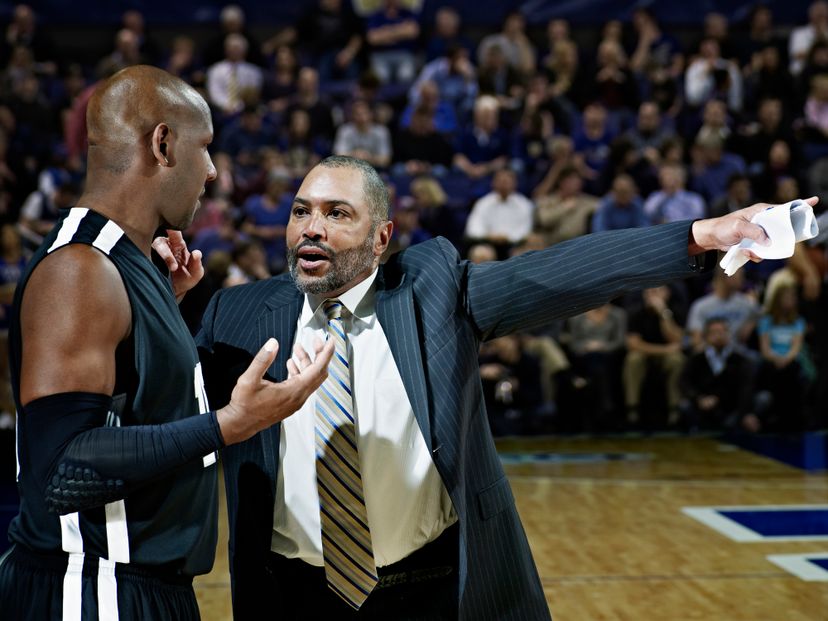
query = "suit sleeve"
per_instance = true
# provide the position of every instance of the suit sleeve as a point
(213, 365)
(531, 290)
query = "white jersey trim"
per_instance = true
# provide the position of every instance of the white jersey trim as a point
(68, 228)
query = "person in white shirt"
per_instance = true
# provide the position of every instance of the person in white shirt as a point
(362, 138)
(672, 202)
(804, 37)
(233, 81)
(503, 215)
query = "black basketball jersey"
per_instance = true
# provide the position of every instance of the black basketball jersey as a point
(172, 520)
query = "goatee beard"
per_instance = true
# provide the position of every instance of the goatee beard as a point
(345, 265)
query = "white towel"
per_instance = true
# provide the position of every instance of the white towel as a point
(784, 225)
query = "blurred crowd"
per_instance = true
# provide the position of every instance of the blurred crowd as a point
(503, 141)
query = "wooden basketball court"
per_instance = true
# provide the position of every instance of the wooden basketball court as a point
(604, 518)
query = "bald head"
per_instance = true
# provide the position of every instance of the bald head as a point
(125, 110)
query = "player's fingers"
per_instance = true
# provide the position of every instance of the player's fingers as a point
(161, 246)
(260, 364)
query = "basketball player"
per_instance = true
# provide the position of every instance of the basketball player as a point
(116, 440)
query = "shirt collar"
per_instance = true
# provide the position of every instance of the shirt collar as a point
(359, 300)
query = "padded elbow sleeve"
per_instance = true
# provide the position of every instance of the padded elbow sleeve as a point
(85, 464)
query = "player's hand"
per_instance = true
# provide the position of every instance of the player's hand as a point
(257, 403)
(186, 268)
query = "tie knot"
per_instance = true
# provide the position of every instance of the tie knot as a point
(333, 309)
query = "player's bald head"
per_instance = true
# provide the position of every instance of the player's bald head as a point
(125, 109)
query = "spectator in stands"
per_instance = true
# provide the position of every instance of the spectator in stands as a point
(249, 263)
(650, 132)
(653, 341)
(35, 124)
(786, 371)
(715, 121)
(738, 196)
(392, 32)
(672, 202)
(265, 218)
(717, 27)
(816, 110)
(712, 167)
(621, 208)
(232, 82)
(497, 78)
(592, 143)
(184, 63)
(595, 343)
(483, 147)
(41, 210)
(330, 37)
(419, 148)
(127, 52)
(717, 383)
(363, 138)
(246, 136)
(455, 78)
(556, 30)
(232, 22)
(726, 301)
(407, 228)
(778, 167)
(569, 82)
(134, 21)
(22, 31)
(279, 84)
(804, 37)
(755, 140)
(222, 236)
(434, 213)
(429, 101)
(625, 159)
(301, 150)
(615, 85)
(511, 384)
(566, 212)
(307, 98)
(654, 47)
(503, 216)
(710, 76)
(513, 43)
(761, 34)
(767, 76)
(446, 35)
(481, 253)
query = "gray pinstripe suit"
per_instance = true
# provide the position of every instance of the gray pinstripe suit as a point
(435, 309)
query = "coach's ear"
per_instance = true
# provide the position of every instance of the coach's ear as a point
(161, 145)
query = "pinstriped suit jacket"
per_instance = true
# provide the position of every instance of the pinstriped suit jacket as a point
(435, 309)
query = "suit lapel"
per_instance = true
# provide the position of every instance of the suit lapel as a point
(395, 312)
(279, 321)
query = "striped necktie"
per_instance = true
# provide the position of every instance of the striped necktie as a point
(346, 538)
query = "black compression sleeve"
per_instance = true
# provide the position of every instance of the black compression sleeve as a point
(85, 464)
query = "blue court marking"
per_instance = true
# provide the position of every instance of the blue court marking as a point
(798, 522)
(810, 566)
(571, 458)
(765, 523)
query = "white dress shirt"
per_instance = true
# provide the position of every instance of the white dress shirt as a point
(408, 505)
(248, 78)
(494, 216)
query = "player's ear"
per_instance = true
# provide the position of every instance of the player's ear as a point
(161, 145)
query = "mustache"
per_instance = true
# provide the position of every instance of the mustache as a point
(309, 243)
